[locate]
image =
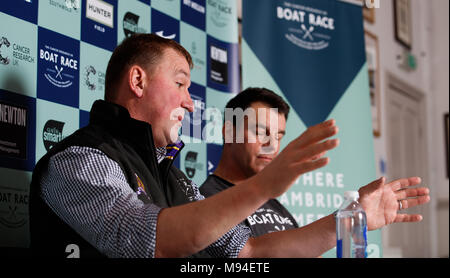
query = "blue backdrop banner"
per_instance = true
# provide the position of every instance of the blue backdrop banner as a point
(53, 58)
(312, 53)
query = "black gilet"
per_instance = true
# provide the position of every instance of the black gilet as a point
(125, 140)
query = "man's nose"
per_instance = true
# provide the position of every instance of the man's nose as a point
(270, 145)
(187, 103)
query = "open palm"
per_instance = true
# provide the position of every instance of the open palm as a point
(380, 201)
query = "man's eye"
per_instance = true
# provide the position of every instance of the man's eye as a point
(179, 84)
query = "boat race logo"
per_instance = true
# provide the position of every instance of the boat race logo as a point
(220, 12)
(60, 66)
(308, 28)
(56, 74)
(13, 208)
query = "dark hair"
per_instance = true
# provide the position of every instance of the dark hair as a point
(249, 96)
(144, 50)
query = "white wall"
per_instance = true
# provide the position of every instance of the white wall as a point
(431, 48)
(440, 91)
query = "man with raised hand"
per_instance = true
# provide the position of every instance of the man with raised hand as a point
(252, 144)
(111, 189)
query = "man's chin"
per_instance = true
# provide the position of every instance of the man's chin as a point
(174, 135)
(173, 140)
(165, 140)
(260, 167)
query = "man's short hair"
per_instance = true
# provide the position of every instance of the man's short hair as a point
(249, 96)
(144, 50)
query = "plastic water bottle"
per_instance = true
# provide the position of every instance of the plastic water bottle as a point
(351, 228)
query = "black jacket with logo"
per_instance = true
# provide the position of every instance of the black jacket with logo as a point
(125, 140)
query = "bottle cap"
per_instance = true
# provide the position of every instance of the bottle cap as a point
(351, 194)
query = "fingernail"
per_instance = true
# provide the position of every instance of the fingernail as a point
(329, 122)
(337, 141)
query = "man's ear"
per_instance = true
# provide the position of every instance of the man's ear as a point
(137, 80)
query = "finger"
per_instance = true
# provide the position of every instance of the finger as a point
(312, 151)
(305, 167)
(409, 203)
(411, 192)
(318, 156)
(404, 183)
(408, 218)
(316, 134)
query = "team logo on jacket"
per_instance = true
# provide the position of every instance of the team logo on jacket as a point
(188, 188)
(141, 187)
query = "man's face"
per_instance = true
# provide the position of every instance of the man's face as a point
(262, 135)
(167, 97)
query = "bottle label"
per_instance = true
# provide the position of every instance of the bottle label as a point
(365, 242)
(339, 248)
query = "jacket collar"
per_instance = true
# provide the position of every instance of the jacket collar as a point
(116, 118)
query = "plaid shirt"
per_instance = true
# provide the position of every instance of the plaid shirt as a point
(89, 192)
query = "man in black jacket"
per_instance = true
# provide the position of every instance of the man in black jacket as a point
(111, 189)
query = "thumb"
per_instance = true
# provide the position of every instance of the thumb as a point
(379, 182)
